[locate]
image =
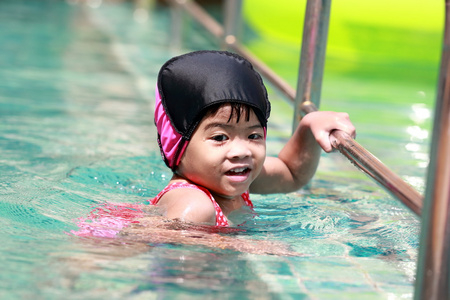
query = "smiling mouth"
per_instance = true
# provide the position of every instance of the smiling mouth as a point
(238, 171)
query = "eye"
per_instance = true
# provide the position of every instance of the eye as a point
(255, 136)
(219, 138)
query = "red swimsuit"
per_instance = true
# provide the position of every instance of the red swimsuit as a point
(221, 219)
(108, 219)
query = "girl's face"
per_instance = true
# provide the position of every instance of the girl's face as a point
(225, 155)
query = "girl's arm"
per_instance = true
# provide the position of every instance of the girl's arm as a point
(297, 161)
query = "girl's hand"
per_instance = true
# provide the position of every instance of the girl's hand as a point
(323, 123)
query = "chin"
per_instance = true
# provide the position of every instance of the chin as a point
(236, 192)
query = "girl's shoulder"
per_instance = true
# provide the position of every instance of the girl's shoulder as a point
(186, 201)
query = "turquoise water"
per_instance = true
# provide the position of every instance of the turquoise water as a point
(76, 88)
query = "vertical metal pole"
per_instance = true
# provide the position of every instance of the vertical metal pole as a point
(232, 21)
(433, 268)
(312, 58)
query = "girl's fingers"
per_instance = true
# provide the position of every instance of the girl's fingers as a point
(323, 123)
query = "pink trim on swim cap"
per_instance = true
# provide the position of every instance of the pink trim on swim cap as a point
(170, 141)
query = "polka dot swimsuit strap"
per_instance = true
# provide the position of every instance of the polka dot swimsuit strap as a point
(246, 197)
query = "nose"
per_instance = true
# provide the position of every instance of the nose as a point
(239, 148)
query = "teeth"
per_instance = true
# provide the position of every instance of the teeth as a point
(238, 170)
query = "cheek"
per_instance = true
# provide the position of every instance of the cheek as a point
(262, 159)
(262, 150)
(187, 160)
(196, 159)
(260, 155)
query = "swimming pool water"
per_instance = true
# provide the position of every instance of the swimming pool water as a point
(76, 88)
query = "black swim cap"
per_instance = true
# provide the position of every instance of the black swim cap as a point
(191, 83)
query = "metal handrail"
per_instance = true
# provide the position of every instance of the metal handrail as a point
(360, 157)
(372, 166)
(433, 267)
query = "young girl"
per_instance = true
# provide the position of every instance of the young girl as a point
(211, 115)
